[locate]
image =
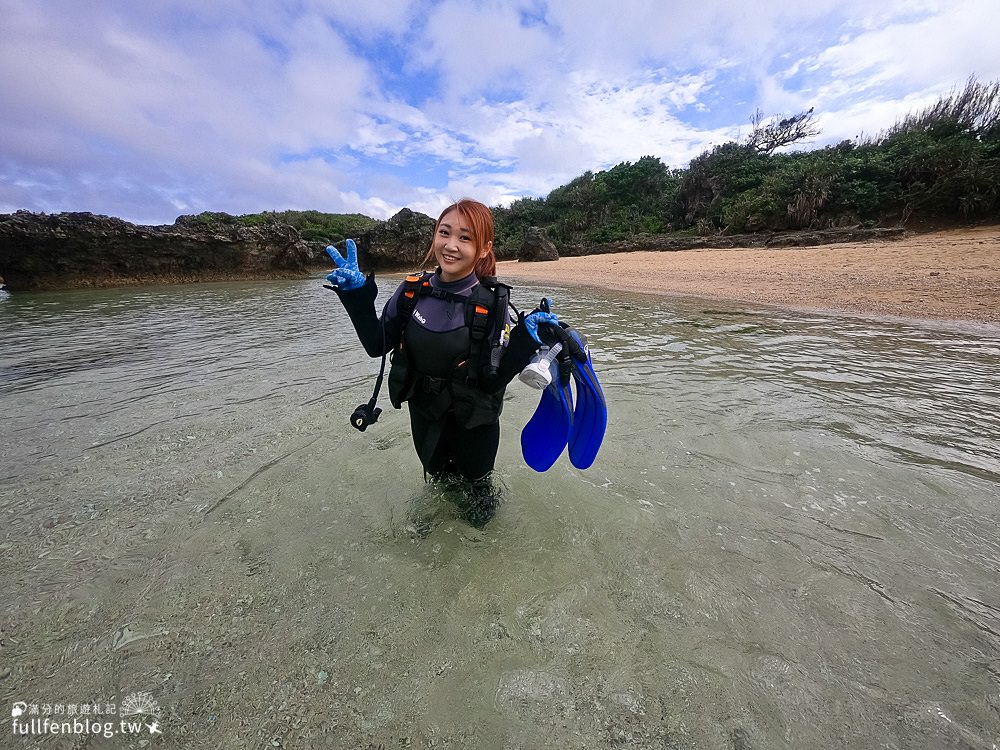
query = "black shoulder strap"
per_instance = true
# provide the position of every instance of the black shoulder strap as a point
(487, 305)
(414, 287)
(500, 320)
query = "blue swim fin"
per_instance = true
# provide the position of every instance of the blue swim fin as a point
(544, 437)
(590, 419)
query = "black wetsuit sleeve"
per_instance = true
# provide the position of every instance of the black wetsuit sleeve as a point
(360, 306)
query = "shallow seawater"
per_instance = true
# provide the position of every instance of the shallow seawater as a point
(789, 539)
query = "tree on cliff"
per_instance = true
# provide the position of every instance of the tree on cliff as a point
(766, 138)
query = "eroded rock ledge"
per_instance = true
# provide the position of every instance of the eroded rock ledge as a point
(59, 251)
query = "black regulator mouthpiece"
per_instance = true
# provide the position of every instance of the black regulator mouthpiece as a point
(365, 415)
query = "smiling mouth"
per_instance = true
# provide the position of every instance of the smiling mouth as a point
(450, 258)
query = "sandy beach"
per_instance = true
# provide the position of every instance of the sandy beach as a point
(945, 275)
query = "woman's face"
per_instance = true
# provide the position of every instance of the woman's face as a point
(454, 247)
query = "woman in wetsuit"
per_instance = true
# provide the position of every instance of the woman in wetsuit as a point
(455, 345)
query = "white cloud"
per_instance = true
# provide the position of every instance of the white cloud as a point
(481, 47)
(594, 124)
(384, 16)
(930, 52)
(138, 109)
(855, 121)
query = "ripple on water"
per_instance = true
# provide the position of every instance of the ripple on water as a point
(788, 539)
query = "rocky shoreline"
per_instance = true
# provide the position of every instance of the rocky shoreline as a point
(67, 250)
(71, 250)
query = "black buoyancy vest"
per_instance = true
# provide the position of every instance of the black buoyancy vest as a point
(485, 303)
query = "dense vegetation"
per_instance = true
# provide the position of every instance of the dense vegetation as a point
(315, 227)
(940, 164)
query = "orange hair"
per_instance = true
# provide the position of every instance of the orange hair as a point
(480, 220)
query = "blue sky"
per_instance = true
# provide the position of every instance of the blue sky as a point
(149, 110)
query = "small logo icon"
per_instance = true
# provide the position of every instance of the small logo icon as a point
(140, 703)
(19, 708)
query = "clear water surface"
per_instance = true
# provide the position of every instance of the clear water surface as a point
(789, 540)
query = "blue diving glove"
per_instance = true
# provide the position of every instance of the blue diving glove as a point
(348, 276)
(545, 328)
(542, 316)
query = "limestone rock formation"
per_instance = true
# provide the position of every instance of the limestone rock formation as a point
(397, 244)
(537, 246)
(52, 251)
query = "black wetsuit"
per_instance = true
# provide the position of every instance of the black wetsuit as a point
(436, 339)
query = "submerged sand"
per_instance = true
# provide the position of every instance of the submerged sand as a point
(945, 275)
